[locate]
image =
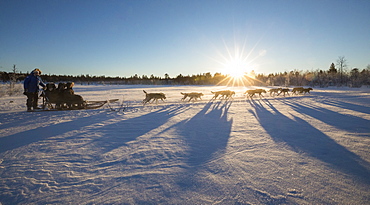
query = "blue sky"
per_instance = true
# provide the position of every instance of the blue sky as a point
(124, 38)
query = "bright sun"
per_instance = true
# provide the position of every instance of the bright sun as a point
(238, 64)
(236, 68)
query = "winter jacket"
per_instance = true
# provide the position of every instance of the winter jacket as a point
(32, 82)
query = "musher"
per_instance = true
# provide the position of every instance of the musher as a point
(31, 89)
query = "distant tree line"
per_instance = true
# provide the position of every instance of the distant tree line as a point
(336, 75)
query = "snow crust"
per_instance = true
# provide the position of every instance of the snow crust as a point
(301, 149)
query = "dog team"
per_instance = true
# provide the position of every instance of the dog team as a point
(226, 94)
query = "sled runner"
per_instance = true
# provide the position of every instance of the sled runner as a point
(98, 104)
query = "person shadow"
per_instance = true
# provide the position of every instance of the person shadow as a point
(302, 137)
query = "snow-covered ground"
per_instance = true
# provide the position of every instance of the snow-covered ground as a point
(303, 149)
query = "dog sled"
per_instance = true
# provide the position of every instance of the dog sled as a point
(63, 98)
(48, 106)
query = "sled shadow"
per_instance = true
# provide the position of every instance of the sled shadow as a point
(9, 120)
(41, 133)
(302, 137)
(131, 129)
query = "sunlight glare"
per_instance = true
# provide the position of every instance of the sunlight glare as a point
(235, 68)
(238, 64)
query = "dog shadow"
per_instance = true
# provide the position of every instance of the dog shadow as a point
(303, 137)
(347, 123)
(346, 105)
(207, 132)
(206, 135)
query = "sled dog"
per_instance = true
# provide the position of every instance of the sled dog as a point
(297, 90)
(153, 97)
(274, 91)
(192, 96)
(224, 94)
(284, 91)
(305, 90)
(251, 93)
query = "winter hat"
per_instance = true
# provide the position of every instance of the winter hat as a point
(38, 70)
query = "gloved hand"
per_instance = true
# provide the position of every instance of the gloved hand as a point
(25, 92)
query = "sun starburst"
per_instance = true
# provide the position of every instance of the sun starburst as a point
(238, 66)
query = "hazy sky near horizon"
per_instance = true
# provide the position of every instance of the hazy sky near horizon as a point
(145, 37)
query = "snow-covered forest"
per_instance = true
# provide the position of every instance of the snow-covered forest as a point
(335, 75)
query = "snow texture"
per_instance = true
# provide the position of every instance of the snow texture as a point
(298, 149)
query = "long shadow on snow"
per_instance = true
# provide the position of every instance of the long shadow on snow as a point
(9, 120)
(207, 132)
(302, 137)
(132, 128)
(348, 123)
(41, 133)
(346, 105)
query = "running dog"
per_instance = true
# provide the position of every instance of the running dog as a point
(153, 97)
(193, 96)
(251, 93)
(224, 94)
(274, 91)
(305, 90)
(284, 91)
(297, 90)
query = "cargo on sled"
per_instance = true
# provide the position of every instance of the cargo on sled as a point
(62, 97)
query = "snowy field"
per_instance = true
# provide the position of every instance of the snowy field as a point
(301, 149)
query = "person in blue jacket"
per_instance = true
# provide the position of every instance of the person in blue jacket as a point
(31, 89)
